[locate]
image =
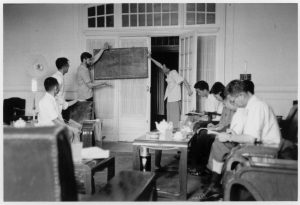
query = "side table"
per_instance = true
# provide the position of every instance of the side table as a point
(85, 171)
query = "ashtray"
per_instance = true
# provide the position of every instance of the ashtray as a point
(152, 135)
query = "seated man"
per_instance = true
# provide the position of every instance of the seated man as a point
(48, 108)
(212, 104)
(259, 124)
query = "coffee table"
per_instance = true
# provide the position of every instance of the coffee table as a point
(165, 144)
(85, 171)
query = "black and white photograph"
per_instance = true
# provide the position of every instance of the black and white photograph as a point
(150, 101)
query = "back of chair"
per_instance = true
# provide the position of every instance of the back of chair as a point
(38, 165)
(290, 126)
(12, 109)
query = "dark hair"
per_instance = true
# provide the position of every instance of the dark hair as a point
(201, 85)
(235, 87)
(249, 86)
(85, 55)
(50, 83)
(218, 88)
(61, 62)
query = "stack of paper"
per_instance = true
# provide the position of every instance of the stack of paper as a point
(94, 153)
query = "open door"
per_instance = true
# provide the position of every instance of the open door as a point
(188, 68)
(134, 98)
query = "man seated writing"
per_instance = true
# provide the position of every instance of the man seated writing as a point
(49, 113)
(259, 124)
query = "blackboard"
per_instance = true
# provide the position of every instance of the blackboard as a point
(122, 63)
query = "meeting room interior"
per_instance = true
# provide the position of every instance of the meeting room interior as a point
(150, 101)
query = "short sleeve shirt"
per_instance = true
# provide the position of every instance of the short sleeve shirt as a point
(212, 104)
(173, 91)
(238, 121)
(261, 122)
(48, 110)
(83, 78)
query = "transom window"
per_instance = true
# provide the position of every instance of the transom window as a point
(101, 16)
(134, 15)
(200, 14)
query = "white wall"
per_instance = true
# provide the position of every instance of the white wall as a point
(264, 35)
(38, 29)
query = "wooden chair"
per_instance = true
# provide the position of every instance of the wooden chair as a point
(38, 165)
(13, 109)
(262, 173)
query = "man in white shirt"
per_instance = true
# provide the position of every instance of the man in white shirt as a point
(62, 65)
(49, 114)
(259, 124)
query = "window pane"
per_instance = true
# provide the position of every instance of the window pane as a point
(165, 7)
(149, 8)
(149, 20)
(200, 7)
(157, 7)
(109, 21)
(91, 22)
(190, 18)
(142, 18)
(211, 7)
(109, 8)
(125, 20)
(133, 8)
(174, 7)
(133, 20)
(91, 11)
(125, 8)
(157, 19)
(100, 10)
(190, 7)
(174, 18)
(141, 8)
(200, 18)
(166, 19)
(211, 19)
(100, 22)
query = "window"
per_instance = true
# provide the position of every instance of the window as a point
(101, 16)
(200, 14)
(136, 15)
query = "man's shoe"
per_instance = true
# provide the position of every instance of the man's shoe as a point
(212, 193)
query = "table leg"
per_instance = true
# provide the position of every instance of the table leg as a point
(136, 157)
(111, 169)
(183, 173)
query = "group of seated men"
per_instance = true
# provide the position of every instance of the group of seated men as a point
(244, 119)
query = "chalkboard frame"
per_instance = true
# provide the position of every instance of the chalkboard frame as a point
(137, 67)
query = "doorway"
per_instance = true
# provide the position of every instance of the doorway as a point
(166, 51)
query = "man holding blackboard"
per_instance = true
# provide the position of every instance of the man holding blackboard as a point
(84, 80)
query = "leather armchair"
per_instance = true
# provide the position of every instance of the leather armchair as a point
(38, 165)
(265, 173)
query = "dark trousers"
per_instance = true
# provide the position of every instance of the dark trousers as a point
(200, 148)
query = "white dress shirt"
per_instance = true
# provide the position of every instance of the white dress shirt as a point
(173, 91)
(48, 110)
(238, 121)
(212, 104)
(261, 122)
(60, 97)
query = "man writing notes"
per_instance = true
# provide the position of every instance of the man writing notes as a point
(260, 124)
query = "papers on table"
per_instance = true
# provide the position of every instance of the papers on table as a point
(94, 153)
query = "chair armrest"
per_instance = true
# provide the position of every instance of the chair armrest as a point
(273, 163)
